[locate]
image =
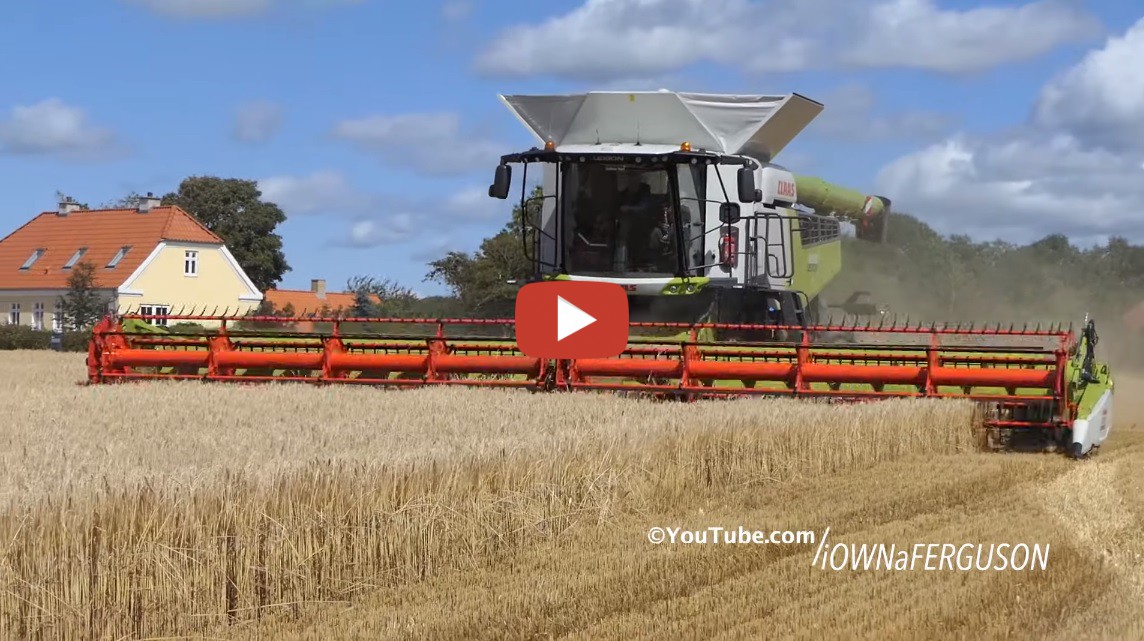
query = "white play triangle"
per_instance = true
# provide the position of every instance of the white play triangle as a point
(570, 319)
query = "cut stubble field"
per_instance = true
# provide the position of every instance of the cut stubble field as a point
(184, 510)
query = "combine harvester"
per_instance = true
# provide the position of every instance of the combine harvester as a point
(724, 256)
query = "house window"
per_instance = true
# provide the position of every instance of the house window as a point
(191, 263)
(14, 314)
(155, 310)
(119, 256)
(33, 258)
(38, 316)
(75, 257)
(58, 317)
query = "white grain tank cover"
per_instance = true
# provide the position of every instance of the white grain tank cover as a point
(757, 126)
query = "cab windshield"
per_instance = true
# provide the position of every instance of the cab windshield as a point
(632, 219)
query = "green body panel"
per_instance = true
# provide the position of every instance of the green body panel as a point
(1087, 394)
(828, 198)
(138, 325)
(815, 266)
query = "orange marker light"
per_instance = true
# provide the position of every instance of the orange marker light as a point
(549, 146)
(685, 147)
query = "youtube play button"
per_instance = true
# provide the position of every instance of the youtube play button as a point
(571, 319)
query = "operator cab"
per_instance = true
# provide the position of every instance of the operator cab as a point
(662, 225)
(625, 216)
(622, 220)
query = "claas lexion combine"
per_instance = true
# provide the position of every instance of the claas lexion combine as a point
(724, 256)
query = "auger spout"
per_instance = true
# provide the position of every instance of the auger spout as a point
(868, 213)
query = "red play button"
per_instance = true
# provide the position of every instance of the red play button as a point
(571, 319)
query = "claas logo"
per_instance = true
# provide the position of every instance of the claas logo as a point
(786, 189)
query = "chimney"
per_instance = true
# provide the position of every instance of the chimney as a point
(318, 286)
(67, 206)
(147, 203)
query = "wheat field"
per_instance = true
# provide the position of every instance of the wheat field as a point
(190, 511)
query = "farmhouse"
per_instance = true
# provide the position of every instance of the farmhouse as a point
(315, 301)
(150, 260)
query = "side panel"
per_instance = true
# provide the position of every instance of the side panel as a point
(815, 266)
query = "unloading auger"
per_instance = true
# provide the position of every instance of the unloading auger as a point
(724, 256)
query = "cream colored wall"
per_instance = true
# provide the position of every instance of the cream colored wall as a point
(27, 302)
(162, 282)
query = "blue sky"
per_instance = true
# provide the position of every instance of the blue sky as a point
(376, 124)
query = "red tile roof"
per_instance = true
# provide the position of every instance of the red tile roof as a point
(305, 301)
(103, 232)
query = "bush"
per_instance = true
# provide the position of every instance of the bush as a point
(185, 327)
(24, 337)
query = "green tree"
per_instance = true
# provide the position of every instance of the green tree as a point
(395, 300)
(83, 304)
(486, 281)
(233, 209)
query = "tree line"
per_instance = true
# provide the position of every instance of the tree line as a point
(931, 277)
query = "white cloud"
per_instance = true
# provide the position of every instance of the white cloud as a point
(391, 229)
(223, 9)
(474, 203)
(917, 34)
(850, 115)
(433, 143)
(435, 247)
(1020, 187)
(1101, 99)
(321, 192)
(603, 39)
(257, 122)
(1077, 166)
(52, 127)
(607, 39)
(400, 219)
(379, 219)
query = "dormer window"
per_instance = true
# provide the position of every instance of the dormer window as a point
(33, 258)
(75, 257)
(119, 256)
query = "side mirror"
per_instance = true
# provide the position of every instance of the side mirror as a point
(502, 182)
(729, 213)
(747, 190)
